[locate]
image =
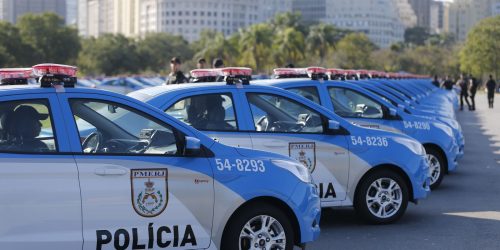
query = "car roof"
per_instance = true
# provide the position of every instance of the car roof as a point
(36, 89)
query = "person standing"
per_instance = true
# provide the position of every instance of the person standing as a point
(176, 76)
(202, 63)
(447, 84)
(436, 81)
(217, 64)
(473, 85)
(462, 83)
(491, 87)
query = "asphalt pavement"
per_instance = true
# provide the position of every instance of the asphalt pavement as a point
(464, 213)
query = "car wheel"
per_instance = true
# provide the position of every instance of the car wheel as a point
(436, 167)
(382, 198)
(259, 227)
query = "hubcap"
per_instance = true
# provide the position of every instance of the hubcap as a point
(262, 232)
(384, 198)
(434, 168)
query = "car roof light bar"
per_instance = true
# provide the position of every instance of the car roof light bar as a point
(15, 76)
(52, 75)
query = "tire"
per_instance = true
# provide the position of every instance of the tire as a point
(253, 215)
(437, 166)
(379, 206)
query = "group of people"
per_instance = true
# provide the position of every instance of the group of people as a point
(176, 75)
(468, 88)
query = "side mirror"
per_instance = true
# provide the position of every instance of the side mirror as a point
(393, 112)
(333, 125)
(193, 146)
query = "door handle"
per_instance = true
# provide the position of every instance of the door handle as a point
(275, 144)
(110, 171)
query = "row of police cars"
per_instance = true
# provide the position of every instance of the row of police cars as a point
(237, 164)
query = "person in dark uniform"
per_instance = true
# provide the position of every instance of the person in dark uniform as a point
(176, 76)
(473, 85)
(202, 63)
(464, 92)
(217, 64)
(447, 84)
(491, 87)
(436, 81)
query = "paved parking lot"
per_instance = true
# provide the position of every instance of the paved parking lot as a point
(464, 213)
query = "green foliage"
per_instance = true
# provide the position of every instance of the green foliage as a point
(354, 52)
(481, 52)
(156, 50)
(109, 55)
(416, 35)
(49, 38)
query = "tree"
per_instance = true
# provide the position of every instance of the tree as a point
(481, 52)
(213, 44)
(15, 52)
(156, 50)
(322, 39)
(289, 47)
(416, 35)
(255, 45)
(50, 39)
(110, 55)
(354, 52)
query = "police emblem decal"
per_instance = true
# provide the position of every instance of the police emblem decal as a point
(304, 152)
(149, 188)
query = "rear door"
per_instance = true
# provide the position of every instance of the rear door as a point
(214, 113)
(282, 125)
(40, 206)
(139, 190)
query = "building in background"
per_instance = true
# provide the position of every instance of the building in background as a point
(270, 8)
(422, 10)
(465, 14)
(440, 17)
(380, 20)
(11, 10)
(406, 13)
(312, 10)
(71, 12)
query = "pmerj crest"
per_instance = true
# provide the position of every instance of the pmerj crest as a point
(149, 191)
(305, 153)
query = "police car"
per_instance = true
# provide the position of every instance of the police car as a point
(366, 109)
(76, 175)
(375, 171)
(406, 104)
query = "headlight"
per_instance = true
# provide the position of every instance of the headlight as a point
(415, 146)
(295, 168)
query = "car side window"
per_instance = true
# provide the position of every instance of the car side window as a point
(214, 112)
(310, 93)
(348, 103)
(26, 127)
(272, 113)
(111, 128)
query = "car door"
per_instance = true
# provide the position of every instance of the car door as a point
(40, 206)
(212, 112)
(361, 109)
(139, 190)
(282, 125)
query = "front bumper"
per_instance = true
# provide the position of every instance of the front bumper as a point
(453, 155)
(307, 207)
(421, 181)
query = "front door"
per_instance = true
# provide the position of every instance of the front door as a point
(40, 206)
(284, 126)
(139, 191)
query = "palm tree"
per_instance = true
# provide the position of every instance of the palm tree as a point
(255, 45)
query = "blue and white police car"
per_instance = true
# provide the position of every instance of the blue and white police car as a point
(366, 109)
(378, 172)
(75, 175)
(438, 112)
